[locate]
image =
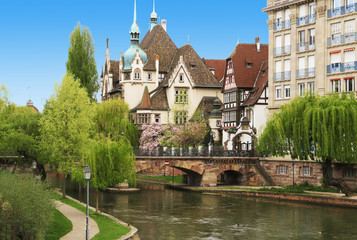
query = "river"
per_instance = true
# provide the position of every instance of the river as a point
(161, 213)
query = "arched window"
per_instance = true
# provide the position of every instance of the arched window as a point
(137, 74)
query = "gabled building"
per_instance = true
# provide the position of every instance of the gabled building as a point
(244, 90)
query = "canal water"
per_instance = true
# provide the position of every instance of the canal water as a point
(161, 213)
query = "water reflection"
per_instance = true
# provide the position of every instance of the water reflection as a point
(161, 213)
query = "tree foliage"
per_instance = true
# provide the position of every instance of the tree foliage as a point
(25, 207)
(81, 60)
(66, 125)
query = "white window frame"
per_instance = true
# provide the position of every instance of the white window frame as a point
(277, 92)
(301, 87)
(287, 91)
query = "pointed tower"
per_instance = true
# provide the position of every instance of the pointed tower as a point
(153, 17)
(134, 46)
(107, 55)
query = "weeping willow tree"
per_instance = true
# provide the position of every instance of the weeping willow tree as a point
(112, 121)
(320, 128)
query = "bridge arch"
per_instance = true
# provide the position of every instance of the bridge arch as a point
(191, 177)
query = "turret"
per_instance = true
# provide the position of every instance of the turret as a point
(153, 17)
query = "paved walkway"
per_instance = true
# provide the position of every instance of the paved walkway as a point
(78, 220)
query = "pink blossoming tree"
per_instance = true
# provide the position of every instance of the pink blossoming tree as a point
(150, 137)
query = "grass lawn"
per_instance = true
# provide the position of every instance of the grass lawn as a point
(177, 179)
(60, 226)
(108, 228)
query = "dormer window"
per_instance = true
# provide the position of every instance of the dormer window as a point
(149, 77)
(193, 66)
(137, 75)
(181, 78)
(249, 65)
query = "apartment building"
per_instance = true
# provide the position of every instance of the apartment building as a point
(312, 47)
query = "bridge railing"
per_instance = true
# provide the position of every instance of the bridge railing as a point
(197, 152)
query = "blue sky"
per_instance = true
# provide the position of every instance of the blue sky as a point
(34, 36)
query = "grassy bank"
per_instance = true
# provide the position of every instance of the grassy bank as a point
(108, 228)
(60, 226)
(168, 179)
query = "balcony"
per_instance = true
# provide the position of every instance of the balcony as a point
(305, 46)
(342, 38)
(341, 10)
(307, 72)
(342, 67)
(282, 76)
(282, 25)
(306, 19)
(281, 50)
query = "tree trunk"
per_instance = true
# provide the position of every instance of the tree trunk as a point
(329, 180)
(42, 171)
(96, 202)
(64, 186)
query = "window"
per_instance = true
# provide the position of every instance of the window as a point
(181, 95)
(278, 92)
(287, 91)
(311, 66)
(233, 116)
(336, 62)
(336, 85)
(311, 87)
(279, 17)
(143, 118)
(181, 78)
(241, 96)
(282, 170)
(137, 74)
(278, 66)
(349, 63)
(305, 171)
(149, 76)
(349, 173)
(301, 38)
(312, 36)
(349, 84)
(233, 97)
(226, 97)
(180, 117)
(301, 89)
(336, 3)
(350, 30)
(287, 69)
(157, 118)
(335, 30)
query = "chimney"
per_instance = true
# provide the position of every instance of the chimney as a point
(257, 42)
(163, 24)
(157, 69)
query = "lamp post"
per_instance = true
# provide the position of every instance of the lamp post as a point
(34, 166)
(87, 173)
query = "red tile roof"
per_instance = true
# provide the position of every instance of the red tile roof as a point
(145, 100)
(260, 84)
(219, 65)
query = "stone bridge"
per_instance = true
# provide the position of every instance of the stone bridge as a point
(207, 171)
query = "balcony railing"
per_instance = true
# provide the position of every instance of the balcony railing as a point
(282, 50)
(282, 76)
(305, 46)
(306, 19)
(342, 38)
(282, 25)
(341, 10)
(342, 67)
(244, 149)
(307, 72)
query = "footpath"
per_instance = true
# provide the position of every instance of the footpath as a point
(78, 220)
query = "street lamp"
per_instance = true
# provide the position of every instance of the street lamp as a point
(34, 166)
(87, 173)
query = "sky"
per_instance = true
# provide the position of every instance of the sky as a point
(34, 35)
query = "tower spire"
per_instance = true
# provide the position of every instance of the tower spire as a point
(153, 17)
(135, 28)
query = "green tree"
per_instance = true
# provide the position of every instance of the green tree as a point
(320, 128)
(66, 127)
(81, 61)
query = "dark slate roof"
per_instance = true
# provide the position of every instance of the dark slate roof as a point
(201, 75)
(159, 100)
(247, 53)
(260, 84)
(219, 65)
(157, 41)
(207, 105)
(114, 69)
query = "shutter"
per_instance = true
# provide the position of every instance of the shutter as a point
(312, 8)
(302, 12)
(311, 60)
(287, 39)
(335, 58)
(287, 66)
(302, 63)
(278, 66)
(350, 26)
(336, 3)
(278, 41)
(279, 15)
(335, 28)
(287, 14)
(349, 56)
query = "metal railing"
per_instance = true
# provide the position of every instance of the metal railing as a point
(246, 149)
(282, 25)
(282, 50)
(306, 19)
(305, 46)
(282, 75)
(342, 38)
(334, 12)
(307, 72)
(342, 67)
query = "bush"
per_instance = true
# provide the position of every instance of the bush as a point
(26, 207)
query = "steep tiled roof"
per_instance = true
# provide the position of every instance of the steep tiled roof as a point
(207, 105)
(157, 41)
(247, 53)
(260, 84)
(114, 69)
(201, 75)
(219, 65)
(145, 100)
(159, 100)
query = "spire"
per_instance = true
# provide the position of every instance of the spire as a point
(134, 27)
(153, 17)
